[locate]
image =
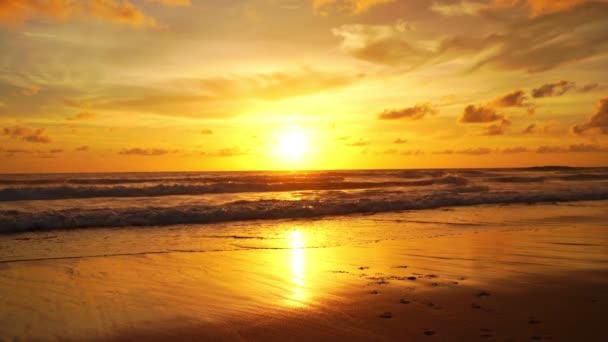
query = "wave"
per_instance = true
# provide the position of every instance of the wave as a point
(65, 192)
(270, 178)
(337, 204)
(585, 177)
(517, 179)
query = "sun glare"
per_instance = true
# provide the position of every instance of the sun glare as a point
(292, 144)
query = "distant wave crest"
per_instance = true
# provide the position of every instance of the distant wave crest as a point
(67, 191)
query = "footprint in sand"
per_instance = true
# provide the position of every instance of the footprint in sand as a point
(533, 321)
(482, 294)
(374, 292)
(475, 306)
(411, 278)
(403, 266)
(386, 315)
(363, 268)
(486, 333)
(403, 301)
(429, 332)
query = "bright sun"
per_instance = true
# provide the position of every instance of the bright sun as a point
(292, 144)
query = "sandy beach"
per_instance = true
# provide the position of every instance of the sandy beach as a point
(488, 273)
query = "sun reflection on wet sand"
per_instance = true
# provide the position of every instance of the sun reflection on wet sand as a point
(297, 267)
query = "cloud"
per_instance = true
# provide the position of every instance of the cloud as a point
(512, 150)
(469, 151)
(324, 7)
(534, 128)
(541, 7)
(75, 103)
(479, 114)
(587, 88)
(146, 151)
(359, 143)
(553, 89)
(498, 129)
(411, 153)
(30, 90)
(198, 97)
(516, 98)
(82, 116)
(417, 112)
(206, 132)
(583, 148)
(34, 135)
(531, 129)
(82, 148)
(11, 152)
(231, 152)
(399, 141)
(172, 2)
(597, 122)
(533, 44)
(383, 44)
(577, 148)
(457, 8)
(17, 12)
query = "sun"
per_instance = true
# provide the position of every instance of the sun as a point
(291, 143)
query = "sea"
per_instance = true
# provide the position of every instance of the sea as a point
(39, 202)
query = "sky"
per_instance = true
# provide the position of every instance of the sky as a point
(171, 85)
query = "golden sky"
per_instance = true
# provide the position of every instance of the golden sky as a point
(151, 85)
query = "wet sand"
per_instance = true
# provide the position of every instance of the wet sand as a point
(513, 273)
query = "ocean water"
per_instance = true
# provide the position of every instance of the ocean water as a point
(70, 201)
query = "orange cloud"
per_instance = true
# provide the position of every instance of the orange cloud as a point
(384, 44)
(498, 129)
(82, 116)
(27, 134)
(540, 7)
(479, 114)
(553, 89)
(578, 148)
(516, 98)
(31, 90)
(16, 12)
(518, 149)
(231, 152)
(172, 2)
(145, 151)
(359, 143)
(325, 7)
(417, 112)
(598, 121)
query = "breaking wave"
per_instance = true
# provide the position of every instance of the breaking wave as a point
(335, 203)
